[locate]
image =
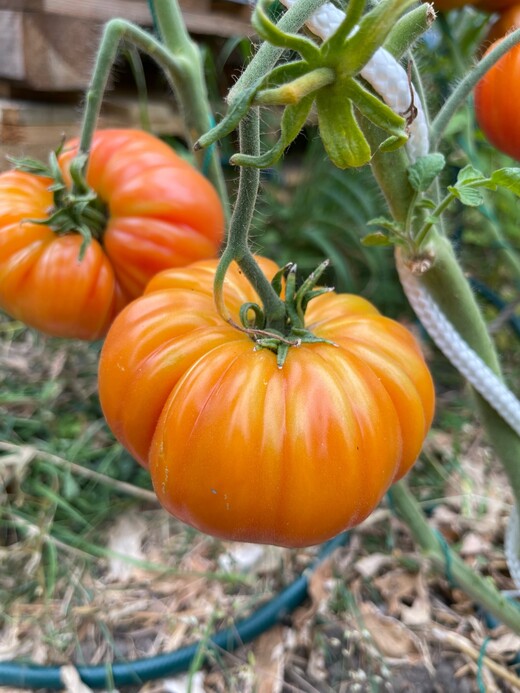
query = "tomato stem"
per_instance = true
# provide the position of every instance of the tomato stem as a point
(437, 550)
(446, 283)
(180, 61)
(237, 246)
(188, 81)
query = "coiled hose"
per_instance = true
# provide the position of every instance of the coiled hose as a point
(28, 675)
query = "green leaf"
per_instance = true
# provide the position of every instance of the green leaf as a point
(508, 178)
(467, 195)
(426, 203)
(376, 239)
(372, 31)
(388, 224)
(469, 175)
(423, 172)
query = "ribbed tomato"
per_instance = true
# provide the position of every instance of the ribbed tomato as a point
(242, 449)
(496, 107)
(157, 212)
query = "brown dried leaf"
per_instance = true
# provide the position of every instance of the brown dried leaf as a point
(269, 662)
(125, 539)
(371, 565)
(505, 645)
(395, 586)
(392, 637)
(73, 684)
(474, 545)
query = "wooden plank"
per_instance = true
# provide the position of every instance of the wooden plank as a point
(32, 129)
(198, 14)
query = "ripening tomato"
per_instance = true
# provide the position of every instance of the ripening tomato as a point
(154, 210)
(485, 5)
(507, 21)
(496, 106)
(242, 449)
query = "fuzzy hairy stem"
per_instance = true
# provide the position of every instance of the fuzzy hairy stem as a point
(237, 246)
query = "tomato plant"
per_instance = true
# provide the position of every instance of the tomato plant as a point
(243, 449)
(150, 210)
(496, 108)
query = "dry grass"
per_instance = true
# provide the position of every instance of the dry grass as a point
(93, 571)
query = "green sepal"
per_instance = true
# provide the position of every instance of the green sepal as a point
(269, 32)
(408, 29)
(373, 30)
(343, 139)
(377, 112)
(237, 110)
(293, 120)
(287, 72)
(353, 14)
(313, 294)
(294, 91)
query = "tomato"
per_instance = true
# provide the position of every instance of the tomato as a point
(485, 5)
(507, 21)
(161, 213)
(242, 449)
(496, 108)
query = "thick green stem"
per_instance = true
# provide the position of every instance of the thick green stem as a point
(446, 283)
(237, 247)
(183, 68)
(466, 86)
(436, 549)
(117, 30)
(136, 65)
(191, 87)
(433, 219)
(389, 169)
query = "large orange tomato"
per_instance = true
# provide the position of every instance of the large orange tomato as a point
(154, 211)
(486, 5)
(496, 106)
(242, 449)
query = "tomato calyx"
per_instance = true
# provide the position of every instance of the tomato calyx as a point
(76, 209)
(296, 299)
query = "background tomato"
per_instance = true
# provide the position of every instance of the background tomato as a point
(244, 450)
(496, 105)
(507, 21)
(161, 213)
(486, 5)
